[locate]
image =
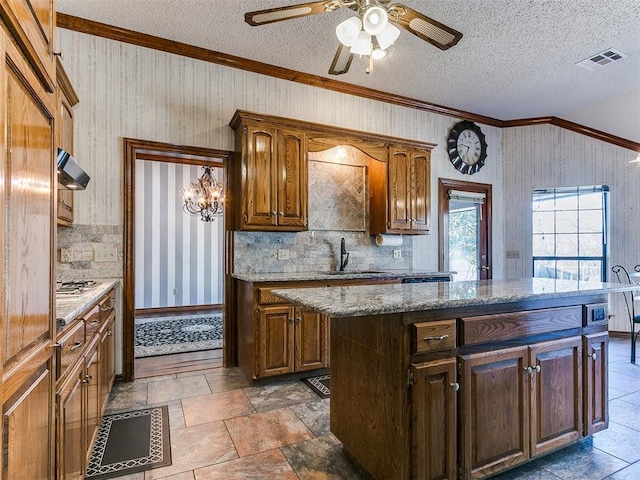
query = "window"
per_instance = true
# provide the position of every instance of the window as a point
(569, 233)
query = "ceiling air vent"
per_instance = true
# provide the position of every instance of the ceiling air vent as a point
(602, 59)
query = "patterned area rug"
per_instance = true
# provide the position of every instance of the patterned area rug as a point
(185, 333)
(131, 442)
(319, 384)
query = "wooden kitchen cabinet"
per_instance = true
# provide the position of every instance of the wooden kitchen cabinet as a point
(271, 177)
(518, 403)
(434, 425)
(66, 99)
(70, 424)
(401, 192)
(27, 322)
(596, 384)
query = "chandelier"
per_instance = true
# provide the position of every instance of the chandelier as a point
(204, 197)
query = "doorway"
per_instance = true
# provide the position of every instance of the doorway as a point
(464, 223)
(173, 298)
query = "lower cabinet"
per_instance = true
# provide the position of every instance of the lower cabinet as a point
(71, 425)
(290, 340)
(596, 399)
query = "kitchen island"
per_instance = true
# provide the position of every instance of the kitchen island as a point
(463, 379)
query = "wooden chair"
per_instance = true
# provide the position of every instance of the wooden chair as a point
(629, 299)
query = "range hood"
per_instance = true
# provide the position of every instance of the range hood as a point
(70, 174)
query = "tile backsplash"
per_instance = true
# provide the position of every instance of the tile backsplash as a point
(88, 252)
(315, 251)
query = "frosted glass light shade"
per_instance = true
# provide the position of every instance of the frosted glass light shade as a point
(347, 31)
(362, 45)
(379, 53)
(375, 20)
(389, 35)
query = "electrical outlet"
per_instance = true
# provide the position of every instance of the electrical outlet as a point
(283, 254)
(175, 291)
(513, 253)
(397, 253)
(65, 255)
(105, 254)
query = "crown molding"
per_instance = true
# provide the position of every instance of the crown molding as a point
(103, 30)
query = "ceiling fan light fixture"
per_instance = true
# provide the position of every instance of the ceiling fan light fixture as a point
(374, 20)
(347, 31)
(362, 45)
(388, 36)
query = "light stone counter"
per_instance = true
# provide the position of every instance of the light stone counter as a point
(69, 307)
(346, 275)
(354, 301)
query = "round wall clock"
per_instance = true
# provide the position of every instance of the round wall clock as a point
(467, 147)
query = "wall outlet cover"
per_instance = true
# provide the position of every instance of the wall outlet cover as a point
(105, 254)
(513, 253)
(65, 255)
(283, 254)
(397, 253)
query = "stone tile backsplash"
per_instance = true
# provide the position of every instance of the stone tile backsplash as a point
(88, 252)
(315, 251)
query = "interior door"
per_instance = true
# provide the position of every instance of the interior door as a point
(465, 229)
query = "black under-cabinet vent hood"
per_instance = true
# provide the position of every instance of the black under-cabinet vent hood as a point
(70, 174)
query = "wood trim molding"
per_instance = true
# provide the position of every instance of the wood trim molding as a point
(186, 309)
(98, 29)
(132, 148)
(65, 84)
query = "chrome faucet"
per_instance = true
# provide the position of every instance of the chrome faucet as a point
(344, 255)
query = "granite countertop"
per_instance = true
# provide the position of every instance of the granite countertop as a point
(346, 275)
(69, 307)
(361, 300)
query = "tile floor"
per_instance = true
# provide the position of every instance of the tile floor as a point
(221, 429)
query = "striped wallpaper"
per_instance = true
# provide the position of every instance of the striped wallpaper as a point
(178, 257)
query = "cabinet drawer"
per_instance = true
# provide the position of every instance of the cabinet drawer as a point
(266, 297)
(70, 346)
(92, 321)
(434, 336)
(107, 304)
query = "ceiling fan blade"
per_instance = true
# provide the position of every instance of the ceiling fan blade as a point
(262, 17)
(342, 61)
(424, 27)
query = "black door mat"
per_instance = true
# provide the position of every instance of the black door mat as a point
(131, 442)
(319, 384)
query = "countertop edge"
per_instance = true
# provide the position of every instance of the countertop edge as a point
(68, 309)
(324, 276)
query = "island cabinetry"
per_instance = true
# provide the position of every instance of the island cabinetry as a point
(596, 400)
(271, 177)
(401, 192)
(86, 361)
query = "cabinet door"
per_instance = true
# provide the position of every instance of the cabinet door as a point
(65, 124)
(259, 178)
(399, 189)
(275, 348)
(420, 191)
(596, 385)
(310, 341)
(107, 361)
(27, 322)
(494, 411)
(292, 179)
(92, 369)
(71, 426)
(434, 420)
(556, 394)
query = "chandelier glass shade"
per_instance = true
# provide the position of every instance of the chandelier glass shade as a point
(204, 197)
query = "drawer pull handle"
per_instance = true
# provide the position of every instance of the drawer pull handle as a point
(75, 346)
(440, 338)
(109, 333)
(105, 308)
(94, 322)
(455, 386)
(594, 355)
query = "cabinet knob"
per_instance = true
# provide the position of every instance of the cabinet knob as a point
(109, 333)
(281, 214)
(537, 368)
(274, 213)
(298, 319)
(58, 54)
(594, 355)
(529, 370)
(455, 386)
(292, 319)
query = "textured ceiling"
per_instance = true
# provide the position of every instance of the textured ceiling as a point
(516, 59)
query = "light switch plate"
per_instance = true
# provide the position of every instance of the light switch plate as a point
(105, 254)
(283, 254)
(513, 253)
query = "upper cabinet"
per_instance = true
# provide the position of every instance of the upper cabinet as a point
(32, 24)
(66, 99)
(401, 192)
(272, 177)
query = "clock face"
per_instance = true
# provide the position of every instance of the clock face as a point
(467, 147)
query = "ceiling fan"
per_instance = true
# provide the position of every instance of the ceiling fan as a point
(371, 32)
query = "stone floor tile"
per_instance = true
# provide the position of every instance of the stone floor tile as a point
(132, 476)
(529, 471)
(157, 378)
(632, 472)
(626, 368)
(624, 413)
(615, 393)
(206, 371)
(619, 441)
(216, 406)
(324, 458)
(127, 396)
(265, 431)
(629, 397)
(580, 462)
(623, 382)
(315, 415)
(177, 388)
(269, 397)
(180, 476)
(196, 447)
(270, 465)
(225, 379)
